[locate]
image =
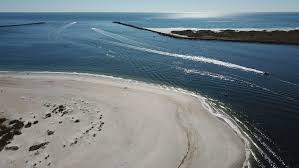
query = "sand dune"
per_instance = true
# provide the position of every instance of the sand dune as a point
(85, 121)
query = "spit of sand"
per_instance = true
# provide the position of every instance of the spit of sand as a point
(70, 120)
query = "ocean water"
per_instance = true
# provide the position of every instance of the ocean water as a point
(228, 74)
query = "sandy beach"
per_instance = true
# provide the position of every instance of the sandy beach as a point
(72, 121)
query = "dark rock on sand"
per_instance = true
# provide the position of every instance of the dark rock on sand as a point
(5, 139)
(48, 115)
(7, 132)
(28, 125)
(12, 148)
(47, 105)
(36, 147)
(47, 157)
(50, 132)
(17, 132)
(16, 124)
(73, 143)
(35, 122)
(2, 120)
(60, 108)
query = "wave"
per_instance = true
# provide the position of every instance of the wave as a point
(191, 57)
(263, 144)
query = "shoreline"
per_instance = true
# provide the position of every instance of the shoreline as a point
(180, 120)
(279, 37)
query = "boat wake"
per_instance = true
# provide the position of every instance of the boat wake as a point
(56, 34)
(116, 36)
(182, 56)
(206, 73)
(191, 57)
(290, 83)
(66, 26)
(121, 38)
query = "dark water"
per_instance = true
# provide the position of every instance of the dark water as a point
(230, 74)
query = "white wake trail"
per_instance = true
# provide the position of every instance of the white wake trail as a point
(116, 36)
(284, 81)
(55, 35)
(206, 73)
(191, 57)
(66, 26)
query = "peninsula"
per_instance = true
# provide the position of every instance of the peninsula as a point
(255, 36)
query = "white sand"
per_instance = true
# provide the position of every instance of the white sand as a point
(169, 30)
(144, 126)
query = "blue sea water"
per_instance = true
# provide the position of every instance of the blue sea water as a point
(229, 74)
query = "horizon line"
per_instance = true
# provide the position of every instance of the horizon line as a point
(148, 12)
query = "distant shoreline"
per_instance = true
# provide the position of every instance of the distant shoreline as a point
(274, 37)
(289, 37)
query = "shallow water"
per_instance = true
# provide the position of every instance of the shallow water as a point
(230, 74)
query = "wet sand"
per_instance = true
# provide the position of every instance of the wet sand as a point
(93, 121)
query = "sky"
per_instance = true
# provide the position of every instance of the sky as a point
(218, 6)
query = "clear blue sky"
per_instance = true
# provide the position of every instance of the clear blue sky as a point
(222, 6)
